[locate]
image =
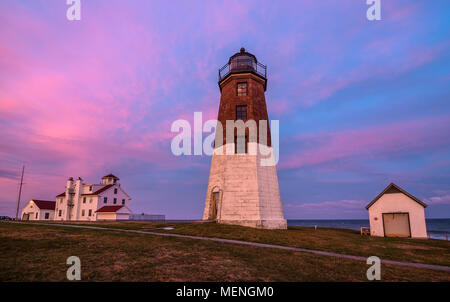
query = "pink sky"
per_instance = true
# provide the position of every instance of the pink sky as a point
(97, 96)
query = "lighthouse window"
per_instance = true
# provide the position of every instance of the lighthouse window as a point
(242, 88)
(241, 112)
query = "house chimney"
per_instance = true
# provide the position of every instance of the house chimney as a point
(78, 185)
(69, 182)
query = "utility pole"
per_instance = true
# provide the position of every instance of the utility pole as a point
(20, 192)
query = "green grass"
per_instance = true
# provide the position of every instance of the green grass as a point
(429, 251)
(39, 253)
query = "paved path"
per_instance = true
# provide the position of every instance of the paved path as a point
(295, 249)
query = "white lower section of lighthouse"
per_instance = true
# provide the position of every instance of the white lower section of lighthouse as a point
(243, 192)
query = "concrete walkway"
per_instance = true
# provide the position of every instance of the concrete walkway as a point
(295, 249)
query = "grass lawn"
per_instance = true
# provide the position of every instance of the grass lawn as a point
(39, 253)
(429, 251)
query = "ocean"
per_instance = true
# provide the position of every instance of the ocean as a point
(436, 228)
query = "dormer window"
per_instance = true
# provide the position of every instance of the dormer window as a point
(90, 188)
(242, 89)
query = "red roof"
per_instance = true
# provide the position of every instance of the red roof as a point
(109, 209)
(45, 204)
(111, 176)
(100, 190)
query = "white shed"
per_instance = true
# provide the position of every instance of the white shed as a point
(396, 213)
(39, 210)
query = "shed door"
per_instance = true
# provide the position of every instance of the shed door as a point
(396, 225)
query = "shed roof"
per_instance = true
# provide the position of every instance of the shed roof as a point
(44, 204)
(393, 188)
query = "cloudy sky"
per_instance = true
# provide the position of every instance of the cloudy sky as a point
(360, 104)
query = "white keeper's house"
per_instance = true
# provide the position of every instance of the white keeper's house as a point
(92, 202)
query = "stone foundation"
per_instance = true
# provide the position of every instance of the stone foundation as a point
(247, 193)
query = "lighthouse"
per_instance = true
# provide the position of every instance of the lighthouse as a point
(243, 185)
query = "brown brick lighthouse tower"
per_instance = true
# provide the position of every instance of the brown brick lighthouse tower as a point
(242, 190)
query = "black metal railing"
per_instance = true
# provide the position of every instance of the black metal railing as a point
(244, 65)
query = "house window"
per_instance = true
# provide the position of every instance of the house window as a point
(47, 215)
(240, 144)
(105, 199)
(90, 212)
(115, 200)
(59, 213)
(123, 201)
(84, 199)
(115, 190)
(36, 215)
(82, 212)
(242, 89)
(241, 112)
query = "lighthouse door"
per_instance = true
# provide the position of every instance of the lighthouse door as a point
(214, 205)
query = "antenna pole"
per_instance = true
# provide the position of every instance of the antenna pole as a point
(20, 192)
